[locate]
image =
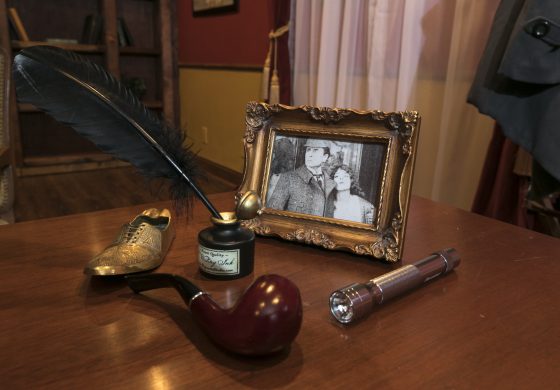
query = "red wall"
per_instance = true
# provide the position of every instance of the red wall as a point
(239, 38)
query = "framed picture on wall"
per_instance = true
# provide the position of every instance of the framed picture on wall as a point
(335, 178)
(211, 7)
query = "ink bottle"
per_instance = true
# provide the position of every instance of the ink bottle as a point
(226, 250)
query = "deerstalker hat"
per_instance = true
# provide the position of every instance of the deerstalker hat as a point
(317, 143)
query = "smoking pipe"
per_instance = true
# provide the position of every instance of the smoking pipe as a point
(357, 300)
(266, 318)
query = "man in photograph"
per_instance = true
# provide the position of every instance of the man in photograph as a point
(306, 188)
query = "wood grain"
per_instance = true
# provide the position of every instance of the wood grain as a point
(109, 11)
(493, 323)
(167, 33)
(47, 196)
(4, 157)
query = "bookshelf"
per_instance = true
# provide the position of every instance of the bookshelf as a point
(42, 145)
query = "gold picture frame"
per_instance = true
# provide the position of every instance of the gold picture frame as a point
(366, 210)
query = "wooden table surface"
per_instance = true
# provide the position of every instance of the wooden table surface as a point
(494, 323)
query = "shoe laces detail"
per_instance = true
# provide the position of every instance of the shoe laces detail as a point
(132, 233)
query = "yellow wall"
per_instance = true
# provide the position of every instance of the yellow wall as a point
(215, 100)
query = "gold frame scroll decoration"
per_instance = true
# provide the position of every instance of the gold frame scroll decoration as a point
(379, 147)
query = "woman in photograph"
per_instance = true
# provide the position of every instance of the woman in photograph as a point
(346, 201)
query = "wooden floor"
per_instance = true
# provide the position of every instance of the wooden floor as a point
(54, 195)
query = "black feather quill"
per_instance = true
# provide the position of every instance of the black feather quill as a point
(82, 95)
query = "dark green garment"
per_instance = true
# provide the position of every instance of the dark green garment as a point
(518, 78)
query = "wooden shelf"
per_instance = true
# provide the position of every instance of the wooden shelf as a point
(77, 47)
(42, 145)
(152, 104)
(139, 51)
(25, 107)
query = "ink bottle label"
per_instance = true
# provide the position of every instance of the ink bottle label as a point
(218, 262)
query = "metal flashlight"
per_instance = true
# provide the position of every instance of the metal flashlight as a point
(357, 300)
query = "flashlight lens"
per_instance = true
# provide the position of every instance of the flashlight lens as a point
(341, 307)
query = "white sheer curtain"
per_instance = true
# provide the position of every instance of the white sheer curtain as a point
(399, 55)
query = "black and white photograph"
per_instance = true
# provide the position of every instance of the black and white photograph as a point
(325, 177)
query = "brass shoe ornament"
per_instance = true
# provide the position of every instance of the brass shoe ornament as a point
(141, 245)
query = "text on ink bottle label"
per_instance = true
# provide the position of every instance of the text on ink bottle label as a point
(218, 262)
